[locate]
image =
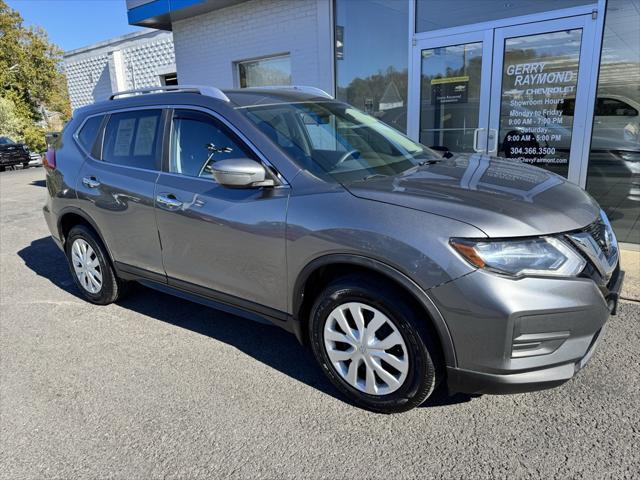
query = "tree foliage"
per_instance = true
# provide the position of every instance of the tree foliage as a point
(31, 79)
(9, 121)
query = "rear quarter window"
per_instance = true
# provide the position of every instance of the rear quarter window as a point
(89, 132)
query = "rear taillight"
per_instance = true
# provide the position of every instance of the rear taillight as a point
(50, 158)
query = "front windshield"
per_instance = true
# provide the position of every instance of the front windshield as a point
(5, 141)
(338, 139)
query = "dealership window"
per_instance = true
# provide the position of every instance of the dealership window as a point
(265, 72)
(371, 55)
(613, 176)
(436, 14)
(169, 79)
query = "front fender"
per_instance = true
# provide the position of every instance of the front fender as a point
(406, 245)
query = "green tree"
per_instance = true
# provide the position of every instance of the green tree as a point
(31, 77)
(9, 121)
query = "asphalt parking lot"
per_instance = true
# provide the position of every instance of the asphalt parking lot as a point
(157, 387)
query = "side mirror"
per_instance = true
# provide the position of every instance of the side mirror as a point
(240, 172)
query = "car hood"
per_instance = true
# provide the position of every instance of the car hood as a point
(503, 198)
(12, 146)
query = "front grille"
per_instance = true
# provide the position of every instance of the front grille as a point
(597, 230)
(597, 244)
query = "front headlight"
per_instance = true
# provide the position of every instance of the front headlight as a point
(538, 256)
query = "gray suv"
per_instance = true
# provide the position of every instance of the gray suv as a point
(401, 268)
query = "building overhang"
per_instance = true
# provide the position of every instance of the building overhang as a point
(160, 14)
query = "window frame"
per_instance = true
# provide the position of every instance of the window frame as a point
(166, 122)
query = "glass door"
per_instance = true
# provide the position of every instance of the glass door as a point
(540, 93)
(454, 91)
(520, 92)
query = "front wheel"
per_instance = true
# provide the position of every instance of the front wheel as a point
(372, 346)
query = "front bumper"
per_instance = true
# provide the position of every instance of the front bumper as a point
(513, 336)
(468, 381)
(17, 157)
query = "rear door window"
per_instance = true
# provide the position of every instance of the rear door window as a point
(89, 132)
(133, 139)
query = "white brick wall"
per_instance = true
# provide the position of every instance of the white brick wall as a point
(207, 45)
(97, 71)
(146, 60)
(88, 79)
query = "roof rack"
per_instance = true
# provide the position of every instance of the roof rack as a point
(301, 88)
(200, 89)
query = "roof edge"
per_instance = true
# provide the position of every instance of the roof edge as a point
(143, 32)
(160, 14)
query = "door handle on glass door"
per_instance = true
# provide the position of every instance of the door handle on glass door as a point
(91, 182)
(493, 140)
(475, 140)
(168, 200)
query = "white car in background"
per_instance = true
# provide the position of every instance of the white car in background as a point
(616, 123)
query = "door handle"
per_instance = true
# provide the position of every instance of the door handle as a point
(168, 201)
(475, 140)
(493, 140)
(91, 182)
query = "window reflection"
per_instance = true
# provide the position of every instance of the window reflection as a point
(371, 57)
(613, 177)
(539, 81)
(265, 72)
(450, 96)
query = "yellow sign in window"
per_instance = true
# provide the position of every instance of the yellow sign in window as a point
(440, 81)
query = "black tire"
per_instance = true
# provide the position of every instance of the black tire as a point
(25, 165)
(2, 168)
(112, 287)
(425, 366)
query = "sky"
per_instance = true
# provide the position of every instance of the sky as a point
(75, 23)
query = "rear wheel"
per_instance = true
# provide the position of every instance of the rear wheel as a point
(90, 267)
(372, 345)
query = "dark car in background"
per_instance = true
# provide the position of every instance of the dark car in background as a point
(13, 153)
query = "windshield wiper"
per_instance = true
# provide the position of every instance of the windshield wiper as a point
(373, 176)
(429, 162)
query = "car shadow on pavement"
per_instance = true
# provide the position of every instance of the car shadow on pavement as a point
(264, 342)
(39, 183)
